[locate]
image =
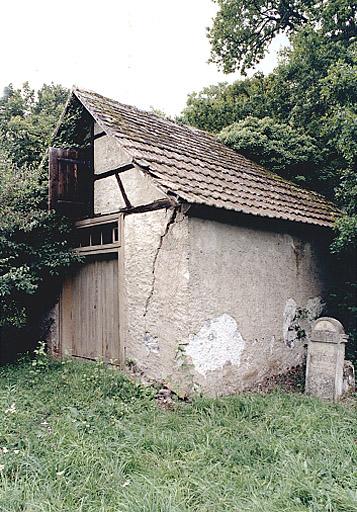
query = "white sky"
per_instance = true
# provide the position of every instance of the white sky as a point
(142, 52)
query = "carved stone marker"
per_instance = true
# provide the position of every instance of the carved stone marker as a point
(325, 359)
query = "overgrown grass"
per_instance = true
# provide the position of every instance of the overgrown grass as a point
(80, 437)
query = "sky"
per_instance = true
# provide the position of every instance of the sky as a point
(148, 53)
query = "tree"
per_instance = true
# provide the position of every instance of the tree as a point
(311, 92)
(280, 148)
(243, 29)
(27, 120)
(220, 105)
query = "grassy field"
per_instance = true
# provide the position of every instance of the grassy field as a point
(80, 437)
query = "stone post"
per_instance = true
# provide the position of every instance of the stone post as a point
(325, 359)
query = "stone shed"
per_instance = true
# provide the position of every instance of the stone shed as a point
(200, 270)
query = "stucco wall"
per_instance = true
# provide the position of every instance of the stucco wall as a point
(214, 307)
(211, 307)
(107, 155)
(156, 280)
(252, 295)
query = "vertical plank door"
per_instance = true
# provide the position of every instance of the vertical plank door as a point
(90, 310)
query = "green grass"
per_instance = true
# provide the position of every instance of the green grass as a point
(80, 437)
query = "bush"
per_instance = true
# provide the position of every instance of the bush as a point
(34, 245)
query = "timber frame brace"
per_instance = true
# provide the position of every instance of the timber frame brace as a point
(116, 172)
(129, 208)
(112, 172)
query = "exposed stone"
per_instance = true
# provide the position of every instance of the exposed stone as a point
(151, 343)
(165, 399)
(289, 316)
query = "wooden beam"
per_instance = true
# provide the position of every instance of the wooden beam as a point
(99, 135)
(97, 249)
(123, 193)
(101, 219)
(113, 217)
(155, 205)
(112, 172)
(123, 305)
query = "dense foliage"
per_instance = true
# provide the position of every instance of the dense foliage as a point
(34, 246)
(310, 94)
(277, 146)
(27, 120)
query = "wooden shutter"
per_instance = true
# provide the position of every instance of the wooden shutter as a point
(70, 182)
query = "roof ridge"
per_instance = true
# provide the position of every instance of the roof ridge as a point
(138, 109)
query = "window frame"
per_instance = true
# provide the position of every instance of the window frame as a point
(99, 221)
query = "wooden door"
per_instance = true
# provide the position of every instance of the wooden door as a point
(90, 310)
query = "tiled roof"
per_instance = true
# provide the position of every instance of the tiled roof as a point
(199, 169)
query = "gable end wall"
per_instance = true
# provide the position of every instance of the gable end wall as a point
(139, 188)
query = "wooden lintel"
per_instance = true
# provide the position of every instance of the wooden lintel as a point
(112, 172)
(101, 219)
(112, 217)
(155, 205)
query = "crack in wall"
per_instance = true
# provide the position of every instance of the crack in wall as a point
(168, 225)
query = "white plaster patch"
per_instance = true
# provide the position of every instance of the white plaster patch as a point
(151, 343)
(217, 342)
